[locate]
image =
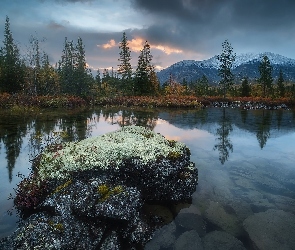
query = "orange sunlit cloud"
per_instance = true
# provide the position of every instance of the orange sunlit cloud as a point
(167, 50)
(109, 44)
(137, 44)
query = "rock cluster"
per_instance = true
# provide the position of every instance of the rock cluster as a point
(96, 191)
(250, 105)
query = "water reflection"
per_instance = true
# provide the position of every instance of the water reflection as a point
(224, 145)
(263, 131)
(202, 130)
(79, 125)
(145, 118)
(12, 132)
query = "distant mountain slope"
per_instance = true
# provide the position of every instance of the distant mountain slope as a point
(244, 65)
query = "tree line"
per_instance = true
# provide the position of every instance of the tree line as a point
(34, 75)
(264, 86)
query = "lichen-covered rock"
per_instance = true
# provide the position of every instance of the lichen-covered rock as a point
(93, 191)
(107, 151)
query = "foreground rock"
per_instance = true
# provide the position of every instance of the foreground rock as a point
(273, 229)
(91, 194)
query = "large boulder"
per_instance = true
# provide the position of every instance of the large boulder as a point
(91, 194)
(273, 229)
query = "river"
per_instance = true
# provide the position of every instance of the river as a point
(245, 157)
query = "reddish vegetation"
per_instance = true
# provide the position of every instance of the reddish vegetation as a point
(168, 101)
(30, 192)
(8, 101)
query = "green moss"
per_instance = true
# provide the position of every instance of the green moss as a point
(172, 143)
(63, 186)
(173, 155)
(105, 191)
(148, 135)
(59, 227)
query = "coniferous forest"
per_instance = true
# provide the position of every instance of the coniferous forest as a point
(31, 80)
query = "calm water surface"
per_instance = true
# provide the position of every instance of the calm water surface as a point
(245, 158)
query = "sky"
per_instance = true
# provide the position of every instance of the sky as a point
(176, 29)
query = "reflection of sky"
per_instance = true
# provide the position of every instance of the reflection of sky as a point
(279, 150)
(190, 136)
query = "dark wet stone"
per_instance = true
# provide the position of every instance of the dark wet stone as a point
(163, 238)
(191, 218)
(222, 241)
(272, 230)
(189, 240)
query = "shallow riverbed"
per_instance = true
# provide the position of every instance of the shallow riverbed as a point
(245, 160)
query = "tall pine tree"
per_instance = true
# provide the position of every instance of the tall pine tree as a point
(146, 81)
(265, 70)
(12, 67)
(66, 68)
(82, 73)
(75, 77)
(125, 68)
(281, 86)
(226, 59)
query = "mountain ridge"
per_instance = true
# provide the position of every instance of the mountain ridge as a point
(246, 64)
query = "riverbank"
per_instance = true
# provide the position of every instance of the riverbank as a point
(22, 103)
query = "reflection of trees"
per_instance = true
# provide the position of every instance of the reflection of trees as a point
(263, 129)
(244, 115)
(129, 117)
(279, 118)
(76, 126)
(224, 145)
(12, 131)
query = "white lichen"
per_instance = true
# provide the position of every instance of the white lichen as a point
(106, 151)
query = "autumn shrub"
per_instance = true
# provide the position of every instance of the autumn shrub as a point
(30, 192)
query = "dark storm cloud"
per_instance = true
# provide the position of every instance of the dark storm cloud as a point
(200, 26)
(247, 12)
(73, 1)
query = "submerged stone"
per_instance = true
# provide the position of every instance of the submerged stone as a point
(94, 191)
(273, 229)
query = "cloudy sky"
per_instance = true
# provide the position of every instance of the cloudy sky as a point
(176, 29)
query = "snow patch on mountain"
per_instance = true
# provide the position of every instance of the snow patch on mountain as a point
(240, 59)
(192, 69)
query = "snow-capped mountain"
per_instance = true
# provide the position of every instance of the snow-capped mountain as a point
(244, 65)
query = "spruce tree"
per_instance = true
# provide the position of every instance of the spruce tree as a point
(12, 67)
(48, 77)
(33, 81)
(66, 68)
(226, 59)
(81, 72)
(124, 68)
(98, 78)
(75, 77)
(245, 88)
(141, 76)
(146, 81)
(281, 86)
(265, 70)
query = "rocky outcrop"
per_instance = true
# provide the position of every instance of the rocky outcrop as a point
(273, 229)
(92, 194)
